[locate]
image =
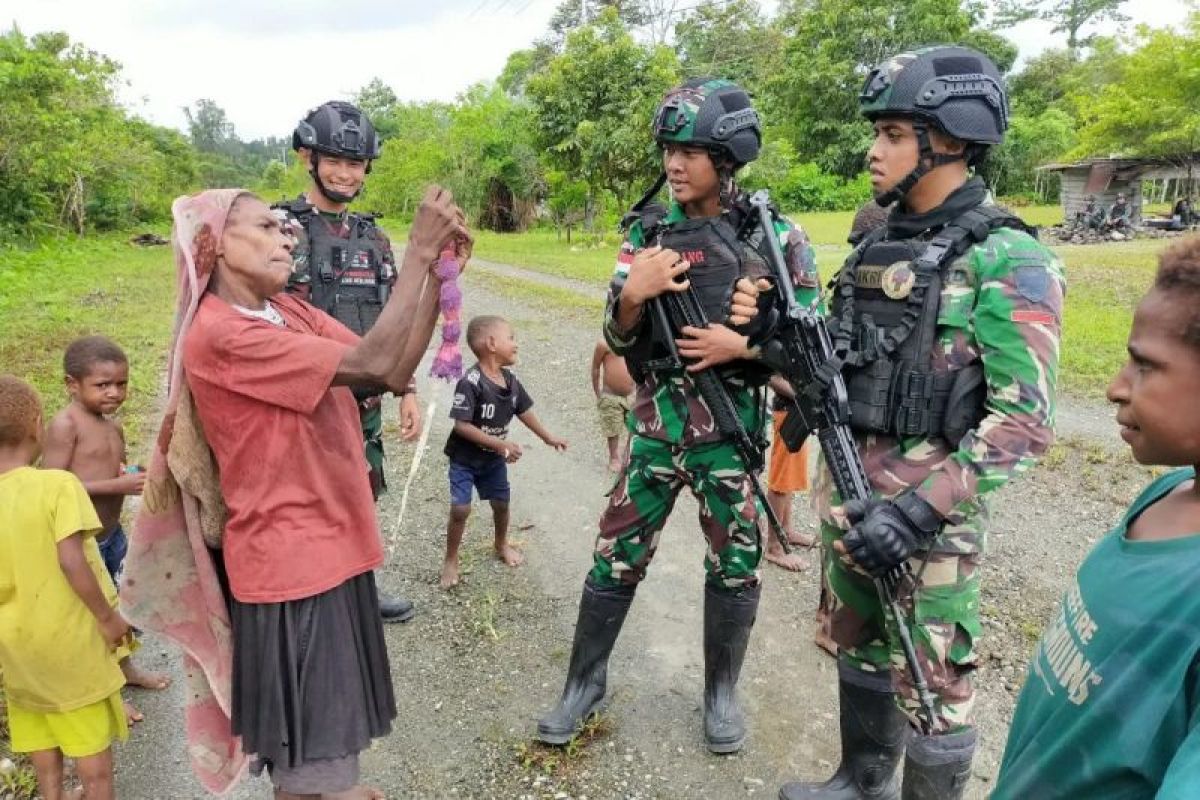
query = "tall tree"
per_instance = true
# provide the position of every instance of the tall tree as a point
(378, 101)
(1067, 16)
(210, 128)
(1151, 108)
(592, 120)
(573, 14)
(728, 39)
(813, 95)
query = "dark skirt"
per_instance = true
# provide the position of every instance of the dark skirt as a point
(310, 677)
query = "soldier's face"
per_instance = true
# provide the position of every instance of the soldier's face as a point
(1154, 389)
(895, 151)
(256, 253)
(690, 173)
(342, 175)
(893, 154)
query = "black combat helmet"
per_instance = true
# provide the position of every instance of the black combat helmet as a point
(956, 89)
(337, 129)
(711, 113)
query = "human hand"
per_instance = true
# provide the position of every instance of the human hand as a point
(711, 346)
(436, 221)
(131, 482)
(654, 271)
(410, 418)
(511, 452)
(115, 630)
(556, 442)
(743, 306)
(884, 534)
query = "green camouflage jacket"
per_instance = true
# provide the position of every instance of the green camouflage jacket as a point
(666, 405)
(1013, 327)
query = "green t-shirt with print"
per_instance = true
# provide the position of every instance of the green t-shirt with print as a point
(1111, 704)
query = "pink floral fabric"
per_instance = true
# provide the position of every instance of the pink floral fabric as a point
(171, 585)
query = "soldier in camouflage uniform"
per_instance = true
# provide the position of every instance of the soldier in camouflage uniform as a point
(344, 263)
(707, 130)
(946, 322)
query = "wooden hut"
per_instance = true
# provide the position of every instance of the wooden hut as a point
(1105, 178)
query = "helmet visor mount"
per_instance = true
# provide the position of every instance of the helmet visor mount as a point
(672, 118)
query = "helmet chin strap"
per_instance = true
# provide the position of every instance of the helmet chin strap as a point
(326, 192)
(927, 160)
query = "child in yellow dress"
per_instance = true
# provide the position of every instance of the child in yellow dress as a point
(60, 633)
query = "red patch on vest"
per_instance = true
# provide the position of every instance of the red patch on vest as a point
(1026, 315)
(693, 256)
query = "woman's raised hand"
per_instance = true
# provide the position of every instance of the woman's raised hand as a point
(437, 221)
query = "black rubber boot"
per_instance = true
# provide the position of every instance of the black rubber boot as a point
(728, 617)
(938, 767)
(395, 609)
(602, 611)
(874, 731)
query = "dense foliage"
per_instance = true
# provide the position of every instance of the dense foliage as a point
(562, 134)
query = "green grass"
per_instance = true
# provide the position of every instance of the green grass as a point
(1104, 284)
(70, 287)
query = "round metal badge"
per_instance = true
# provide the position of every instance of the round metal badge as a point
(898, 280)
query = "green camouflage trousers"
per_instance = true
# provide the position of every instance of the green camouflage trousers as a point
(943, 616)
(370, 414)
(644, 496)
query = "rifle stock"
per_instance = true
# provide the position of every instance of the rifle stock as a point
(800, 351)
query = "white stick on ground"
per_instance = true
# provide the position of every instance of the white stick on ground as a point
(412, 473)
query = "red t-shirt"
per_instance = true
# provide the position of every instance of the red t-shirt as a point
(289, 447)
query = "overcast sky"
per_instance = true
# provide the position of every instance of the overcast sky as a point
(256, 58)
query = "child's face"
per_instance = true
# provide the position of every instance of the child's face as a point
(103, 387)
(503, 344)
(1155, 389)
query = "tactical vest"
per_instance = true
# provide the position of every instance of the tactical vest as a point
(884, 328)
(349, 278)
(717, 258)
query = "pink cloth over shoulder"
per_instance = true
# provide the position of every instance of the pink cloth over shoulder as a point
(171, 585)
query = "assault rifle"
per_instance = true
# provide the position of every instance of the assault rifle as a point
(800, 350)
(673, 311)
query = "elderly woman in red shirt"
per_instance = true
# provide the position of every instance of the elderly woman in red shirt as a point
(309, 685)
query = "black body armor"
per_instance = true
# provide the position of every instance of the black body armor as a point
(347, 277)
(718, 258)
(884, 327)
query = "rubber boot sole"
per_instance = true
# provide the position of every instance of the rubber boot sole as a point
(559, 737)
(725, 748)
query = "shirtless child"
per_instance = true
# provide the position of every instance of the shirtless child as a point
(612, 386)
(84, 439)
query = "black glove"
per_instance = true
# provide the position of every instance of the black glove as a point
(886, 532)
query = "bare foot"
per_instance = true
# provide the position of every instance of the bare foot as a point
(802, 539)
(135, 676)
(132, 715)
(792, 562)
(449, 577)
(510, 555)
(823, 641)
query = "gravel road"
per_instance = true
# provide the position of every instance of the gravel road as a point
(479, 663)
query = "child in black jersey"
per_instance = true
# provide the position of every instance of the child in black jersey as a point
(486, 399)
